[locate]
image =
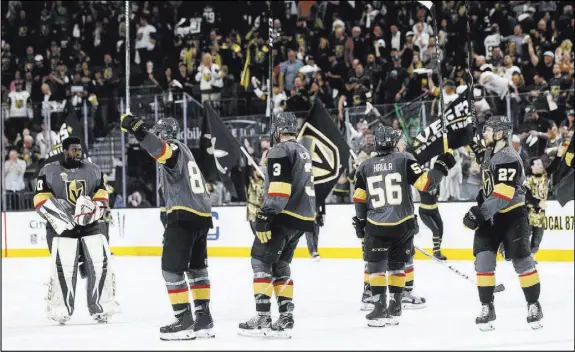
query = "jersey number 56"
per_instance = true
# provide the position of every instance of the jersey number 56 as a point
(388, 193)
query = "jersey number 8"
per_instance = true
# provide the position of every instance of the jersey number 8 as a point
(196, 181)
(390, 194)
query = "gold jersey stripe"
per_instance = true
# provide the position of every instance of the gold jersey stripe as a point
(101, 194)
(422, 183)
(529, 279)
(165, 154)
(503, 191)
(297, 216)
(390, 223)
(428, 206)
(359, 196)
(485, 279)
(193, 211)
(40, 198)
(279, 189)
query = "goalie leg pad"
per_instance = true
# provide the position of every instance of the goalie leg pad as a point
(63, 276)
(101, 287)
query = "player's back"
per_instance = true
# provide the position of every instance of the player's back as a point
(184, 189)
(388, 192)
(299, 211)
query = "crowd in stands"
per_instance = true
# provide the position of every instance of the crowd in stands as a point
(369, 55)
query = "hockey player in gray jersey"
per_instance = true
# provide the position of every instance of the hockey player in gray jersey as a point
(71, 196)
(501, 217)
(188, 220)
(385, 218)
(287, 212)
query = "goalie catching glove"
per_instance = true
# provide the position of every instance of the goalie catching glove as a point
(88, 211)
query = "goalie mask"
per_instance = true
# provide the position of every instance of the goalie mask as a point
(167, 128)
(284, 123)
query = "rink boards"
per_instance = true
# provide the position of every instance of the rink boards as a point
(139, 232)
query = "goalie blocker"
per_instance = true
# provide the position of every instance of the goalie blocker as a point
(71, 196)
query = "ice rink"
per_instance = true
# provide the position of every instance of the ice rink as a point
(327, 315)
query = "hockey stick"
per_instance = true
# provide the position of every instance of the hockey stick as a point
(127, 48)
(498, 288)
(432, 8)
(252, 162)
(469, 72)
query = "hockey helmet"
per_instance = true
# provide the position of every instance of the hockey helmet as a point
(530, 111)
(500, 123)
(385, 138)
(167, 128)
(284, 123)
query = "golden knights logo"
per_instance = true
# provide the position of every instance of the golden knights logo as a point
(324, 154)
(75, 189)
(487, 179)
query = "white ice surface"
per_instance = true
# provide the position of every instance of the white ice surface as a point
(327, 316)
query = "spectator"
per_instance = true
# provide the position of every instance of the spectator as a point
(20, 110)
(14, 169)
(45, 140)
(135, 200)
(17, 79)
(211, 81)
(288, 72)
(450, 187)
(516, 144)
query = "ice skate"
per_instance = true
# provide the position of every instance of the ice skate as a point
(204, 324)
(282, 328)
(437, 254)
(380, 316)
(315, 257)
(534, 315)
(486, 318)
(258, 326)
(366, 301)
(395, 306)
(181, 329)
(410, 301)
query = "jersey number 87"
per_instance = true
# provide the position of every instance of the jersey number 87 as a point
(196, 181)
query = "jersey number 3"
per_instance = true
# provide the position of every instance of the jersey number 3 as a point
(389, 194)
(196, 181)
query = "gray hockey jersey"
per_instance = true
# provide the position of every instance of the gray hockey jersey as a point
(382, 189)
(289, 191)
(503, 178)
(54, 180)
(182, 184)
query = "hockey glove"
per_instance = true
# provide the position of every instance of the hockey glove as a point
(134, 125)
(473, 219)
(480, 198)
(477, 149)
(569, 160)
(359, 226)
(444, 163)
(263, 227)
(319, 219)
